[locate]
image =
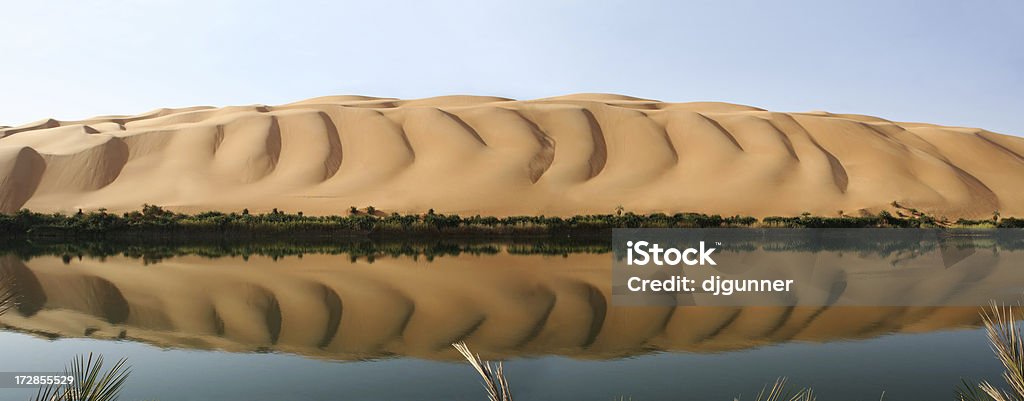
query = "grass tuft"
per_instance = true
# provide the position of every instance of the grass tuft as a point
(780, 391)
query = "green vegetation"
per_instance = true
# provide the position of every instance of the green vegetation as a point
(1006, 337)
(1009, 222)
(152, 250)
(90, 383)
(156, 222)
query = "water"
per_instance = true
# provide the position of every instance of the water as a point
(905, 366)
(264, 323)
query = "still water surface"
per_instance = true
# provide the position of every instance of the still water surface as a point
(329, 326)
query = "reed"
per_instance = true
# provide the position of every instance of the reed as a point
(496, 384)
(492, 375)
(781, 391)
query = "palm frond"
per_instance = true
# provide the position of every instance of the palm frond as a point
(996, 394)
(1007, 341)
(493, 376)
(90, 383)
(970, 391)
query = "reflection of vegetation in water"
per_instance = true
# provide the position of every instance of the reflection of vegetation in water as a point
(897, 244)
(153, 252)
(903, 244)
(888, 243)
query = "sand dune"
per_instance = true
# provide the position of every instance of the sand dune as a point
(328, 306)
(584, 153)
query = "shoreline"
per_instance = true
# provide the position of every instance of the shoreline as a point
(155, 223)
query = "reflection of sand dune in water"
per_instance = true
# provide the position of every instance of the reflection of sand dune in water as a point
(328, 307)
(573, 154)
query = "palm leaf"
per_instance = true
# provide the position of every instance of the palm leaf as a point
(90, 383)
(1007, 341)
(1005, 337)
(970, 391)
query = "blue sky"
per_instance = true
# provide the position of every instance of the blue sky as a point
(948, 62)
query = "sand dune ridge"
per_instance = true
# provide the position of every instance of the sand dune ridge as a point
(575, 154)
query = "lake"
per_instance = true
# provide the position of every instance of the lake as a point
(368, 322)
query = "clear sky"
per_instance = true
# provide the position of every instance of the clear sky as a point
(947, 62)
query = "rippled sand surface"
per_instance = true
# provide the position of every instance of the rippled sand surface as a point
(576, 154)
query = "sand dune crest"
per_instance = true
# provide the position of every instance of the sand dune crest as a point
(584, 153)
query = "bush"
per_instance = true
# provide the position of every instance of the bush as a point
(1011, 222)
(157, 220)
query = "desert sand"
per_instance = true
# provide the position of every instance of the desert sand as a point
(586, 153)
(328, 306)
